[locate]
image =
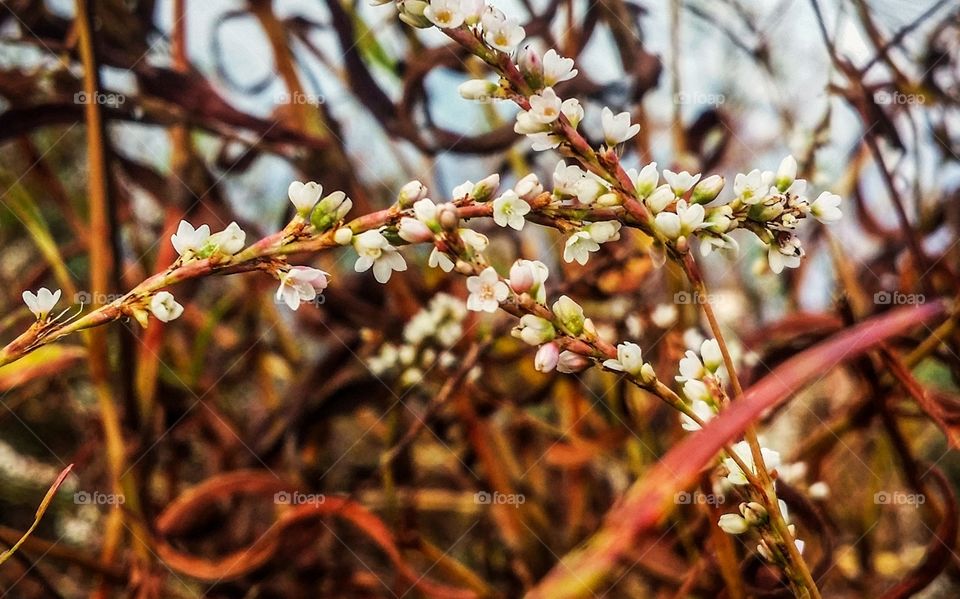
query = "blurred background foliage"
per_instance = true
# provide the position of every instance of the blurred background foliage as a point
(205, 111)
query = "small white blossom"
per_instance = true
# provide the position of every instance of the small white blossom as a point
(413, 230)
(541, 142)
(752, 187)
(545, 106)
(509, 210)
(570, 362)
(500, 32)
(375, 251)
(165, 307)
(565, 178)
(786, 255)
(680, 182)
(188, 239)
(736, 476)
(572, 109)
(786, 173)
(712, 357)
(528, 187)
(589, 188)
(41, 302)
(826, 208)
(556, 68)
(662, 197)
(304, 196)
(478, 89)
(534, 330)
(441, 260)
(229, 241)
(733, 524)
(528, 276)
(477, 242)
(528, 124)
(343, 236)
(617, 128)
(604, 231)
(683, 222)
(646, 180)
(300, 283)
(445, 14)
(703, 410)
(486, 291)
(691, 368)
(629, 359)
(578, 247)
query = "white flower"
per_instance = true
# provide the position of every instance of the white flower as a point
(541, 142)
(534, 330)
(343, 236)
(41, 302)
(680, 182)
(413, 230)
(617, 128)
(188, 239)
(478, 89)
(752, 187)
(528, 124)
(509, 210)
(629, 359)
(569, 362)
(545, 106)
(528, 187)
(589, 188)
(786, 173)
(733, 524)
(695, 390)
(412, 191)
(446, 14)
(486, 291)
(502, 33)
(230, 240)
(426, 211)
(785, 255)
(374, 250)
(300, 283)
(164, 307)
(570, 315)
(691, 368)
(683, 222)
(572, 109)
(565, 178)
(304, 196)
(712, 358)
(702, 410)
(646, 180)
(461, 191)
(556, 68)
(736, 477)
(662, 197)
(707, 189)
(547, 357)
(441, 260)
(578, 247)
(478, 242)
(826, 208)
(604, 231)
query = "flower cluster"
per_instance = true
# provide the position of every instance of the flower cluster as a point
(428, 337)
(702, 385)
(199, 243)
(496, 29)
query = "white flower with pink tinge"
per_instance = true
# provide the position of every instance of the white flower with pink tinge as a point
(41, 302)
(486, 291)
(300, 283)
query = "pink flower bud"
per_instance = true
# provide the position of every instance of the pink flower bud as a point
(414, 231)
(547, 357)
(569, 362)
(521, 277)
